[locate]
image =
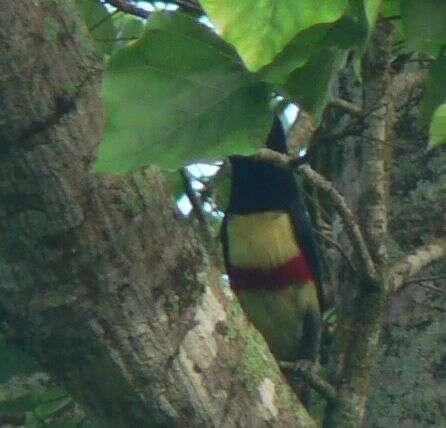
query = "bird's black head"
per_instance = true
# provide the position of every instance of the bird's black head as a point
(259, 185)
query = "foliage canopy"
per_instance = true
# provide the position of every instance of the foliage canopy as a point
(185, 91)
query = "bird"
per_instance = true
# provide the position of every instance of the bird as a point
(270, 254)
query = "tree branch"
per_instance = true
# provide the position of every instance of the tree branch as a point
(424, 279)
(197, 207)
(347, 216)
(347, 106)
(338, 246)
(404, 83)
(352, 227)
(349, 130)
(413, 263)
(127, 7)
(420, 283)
(321, 386)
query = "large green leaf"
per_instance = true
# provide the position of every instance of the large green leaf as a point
(371, 8)
(353, 30)
(128, 28)
(392, 9)
(260, 29)
(295, 55)
(435, 92)
(425, 24)
(179, 95)
(38, 397)
(99, 23)
(438, 127)
(311, 85)
(356, 26)
(15, 362)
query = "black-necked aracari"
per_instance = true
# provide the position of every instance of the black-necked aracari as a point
(270, 254)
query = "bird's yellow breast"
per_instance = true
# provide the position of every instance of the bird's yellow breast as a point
(261, 240)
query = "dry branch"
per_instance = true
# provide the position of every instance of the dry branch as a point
(411, 264)
(126, 7)
(352, 227)
(321, 386)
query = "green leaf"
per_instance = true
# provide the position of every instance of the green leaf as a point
(438, 128)
(128, 29)
(30, 401)
(311, 85)
(357, 25)
(353, 30)
(425, 25)
(178, 95)
(347, 32)
(435, 92)
(70, 422)
(260, 29)
(18, 404)
(392, 8)
(371, 9)
(295, 55)
(51, 406)
(15, 362)
(99, 23)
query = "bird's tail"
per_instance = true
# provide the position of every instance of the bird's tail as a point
(276, 138)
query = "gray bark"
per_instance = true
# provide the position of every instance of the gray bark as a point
(410, 372)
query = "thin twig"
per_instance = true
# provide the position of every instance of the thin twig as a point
(101, 21)
(196, 205)
(425, 278)
(390, 18)
(338, 201)
(189, 3)
(127, 7)
(352, 228)
(321, 386)
(411, 264)
(336, 245)
(117, 39)
(347, 106)
(420, 283)
(431, 287)
(351, 130)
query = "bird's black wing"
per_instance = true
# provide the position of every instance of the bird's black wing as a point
(305, 238)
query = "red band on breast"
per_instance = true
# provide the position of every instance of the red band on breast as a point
(296, 271)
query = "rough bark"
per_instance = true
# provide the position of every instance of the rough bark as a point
(362, 178)
(410, 372)
(99, 279)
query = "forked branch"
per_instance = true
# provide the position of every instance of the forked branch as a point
(411, 264)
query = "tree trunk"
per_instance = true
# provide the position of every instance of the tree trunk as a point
(362, 177)
(99, 278)
(410, 371)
